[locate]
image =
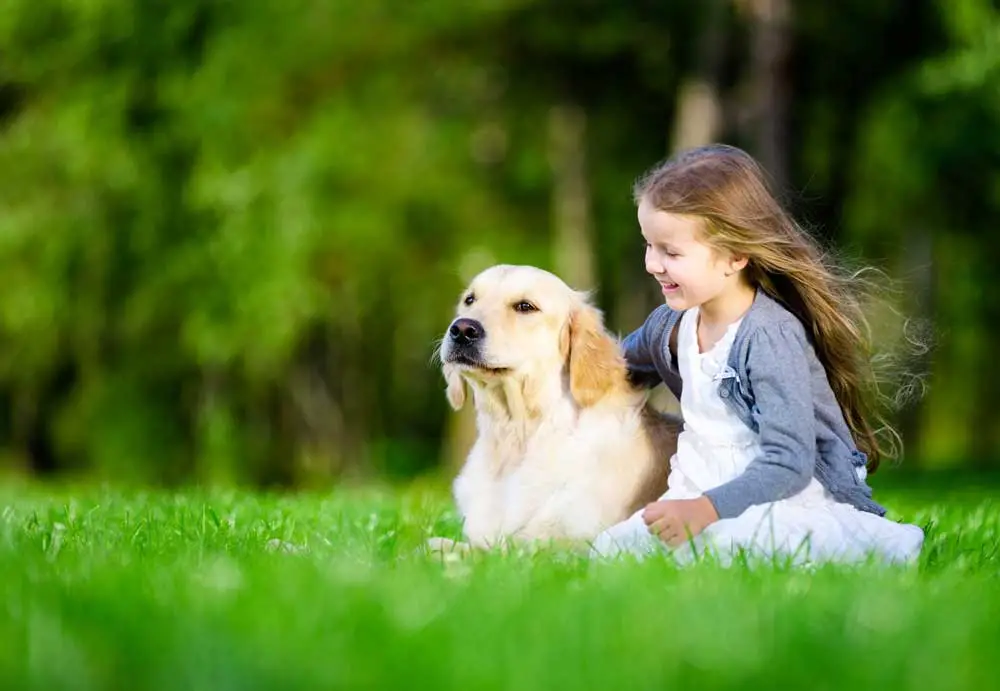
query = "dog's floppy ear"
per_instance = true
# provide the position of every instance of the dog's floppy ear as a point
(456, 387)
(594, 360)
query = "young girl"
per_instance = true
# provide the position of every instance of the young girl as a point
(770, 347)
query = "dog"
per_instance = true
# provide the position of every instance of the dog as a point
(566, 447)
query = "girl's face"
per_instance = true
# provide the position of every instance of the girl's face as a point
(689, 271)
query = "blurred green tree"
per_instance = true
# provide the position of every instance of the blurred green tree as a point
(232, 231)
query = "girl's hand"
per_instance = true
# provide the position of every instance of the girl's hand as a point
(675, 521)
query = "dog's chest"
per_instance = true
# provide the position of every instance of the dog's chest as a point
(554, 479)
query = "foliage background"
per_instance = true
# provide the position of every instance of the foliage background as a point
(231, 231)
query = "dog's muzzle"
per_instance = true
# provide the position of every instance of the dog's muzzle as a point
(465, 337)
(464, 346)
(466, 332)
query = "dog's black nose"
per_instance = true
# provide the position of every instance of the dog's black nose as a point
(464, 331)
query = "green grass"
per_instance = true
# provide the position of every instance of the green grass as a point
(124, 589)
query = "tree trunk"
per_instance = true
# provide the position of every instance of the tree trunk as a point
(573, 247)
(460, 435)
(699, 118)
(768, 85)
(916, 267)
(946, 435)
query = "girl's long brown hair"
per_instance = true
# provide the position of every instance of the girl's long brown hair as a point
(728, 189)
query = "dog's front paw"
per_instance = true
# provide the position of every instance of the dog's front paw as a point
(445, 545)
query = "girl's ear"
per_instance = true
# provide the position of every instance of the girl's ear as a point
(737, 263)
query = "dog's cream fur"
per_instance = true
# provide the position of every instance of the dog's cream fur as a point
(565, 446)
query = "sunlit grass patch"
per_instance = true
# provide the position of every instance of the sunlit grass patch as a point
(107, 589)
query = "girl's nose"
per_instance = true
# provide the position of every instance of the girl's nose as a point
(653, 263)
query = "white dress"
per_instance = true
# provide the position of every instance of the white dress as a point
(714, 447)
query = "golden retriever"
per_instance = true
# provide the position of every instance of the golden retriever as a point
(565, 446)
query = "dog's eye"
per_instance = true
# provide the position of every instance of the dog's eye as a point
(524, 306)
(469, 299)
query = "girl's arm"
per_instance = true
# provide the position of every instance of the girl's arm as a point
(781, 381)
(645, 350)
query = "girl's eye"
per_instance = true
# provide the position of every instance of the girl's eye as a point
(524, 306)
(469, 299)
(668, 253)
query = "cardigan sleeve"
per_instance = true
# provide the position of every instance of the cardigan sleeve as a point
(644, 349)
(781, 385)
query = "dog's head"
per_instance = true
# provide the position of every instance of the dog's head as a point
(523, 321)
